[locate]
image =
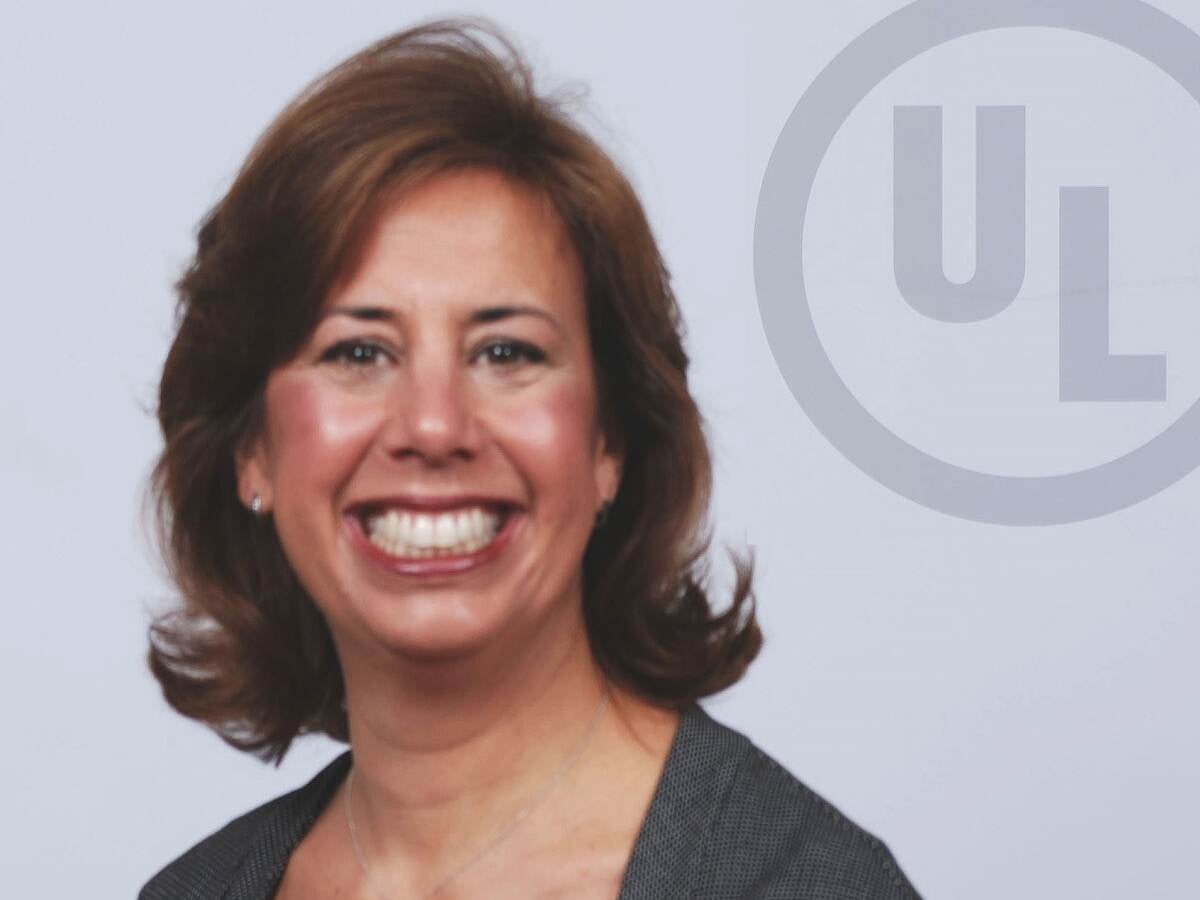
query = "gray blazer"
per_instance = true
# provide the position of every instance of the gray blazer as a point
(726, 822)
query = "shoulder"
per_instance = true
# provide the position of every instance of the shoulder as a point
(769, 835)
(251, 850)
(798, 842)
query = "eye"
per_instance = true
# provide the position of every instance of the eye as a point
(506, 353)
(357, 353)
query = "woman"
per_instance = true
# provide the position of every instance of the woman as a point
(434, 485)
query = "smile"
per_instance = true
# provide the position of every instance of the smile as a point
(430, 538)
(411, 535)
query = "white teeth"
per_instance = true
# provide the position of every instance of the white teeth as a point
(445, 531)
(423, 535)
(422, 530)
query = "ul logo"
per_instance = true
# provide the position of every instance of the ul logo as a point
(1087, 370)
(1091, 377)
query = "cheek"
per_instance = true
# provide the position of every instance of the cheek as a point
(553, 437)
(318, 435)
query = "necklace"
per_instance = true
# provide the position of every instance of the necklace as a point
(504, 832)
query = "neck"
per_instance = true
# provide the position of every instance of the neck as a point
(446, 755)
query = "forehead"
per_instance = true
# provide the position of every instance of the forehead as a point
(468, 236)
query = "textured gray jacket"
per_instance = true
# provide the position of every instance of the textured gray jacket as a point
(727, 822)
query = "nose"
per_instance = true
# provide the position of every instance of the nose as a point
(431, 414)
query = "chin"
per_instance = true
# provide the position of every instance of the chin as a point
(431, 627)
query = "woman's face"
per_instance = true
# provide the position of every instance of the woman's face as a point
(432, 457)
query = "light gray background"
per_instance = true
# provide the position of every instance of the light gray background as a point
(1006, 707)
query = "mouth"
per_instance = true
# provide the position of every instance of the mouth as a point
(420, 538)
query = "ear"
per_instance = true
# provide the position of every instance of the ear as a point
(251, 462)
(609, 465)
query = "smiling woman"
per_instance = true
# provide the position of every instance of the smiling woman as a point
(434, 485)
(426, 431)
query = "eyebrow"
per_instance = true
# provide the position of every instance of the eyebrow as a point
(479, 316)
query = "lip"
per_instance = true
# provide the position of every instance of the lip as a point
(429, 502)
(437, 565)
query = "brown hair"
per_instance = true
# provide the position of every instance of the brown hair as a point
(248, 652)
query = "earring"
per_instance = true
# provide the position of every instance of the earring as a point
(256, 504)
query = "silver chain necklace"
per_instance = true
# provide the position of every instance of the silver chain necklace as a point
(498, 837)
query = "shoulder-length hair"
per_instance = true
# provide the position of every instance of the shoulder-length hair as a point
(247, 651)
